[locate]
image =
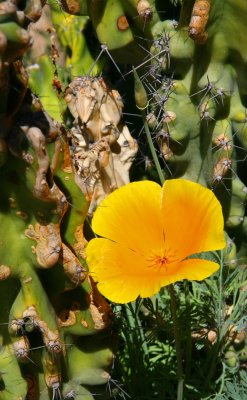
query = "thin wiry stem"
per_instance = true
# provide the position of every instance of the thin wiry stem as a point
(180, 386)
(188, 329)
(152, 149)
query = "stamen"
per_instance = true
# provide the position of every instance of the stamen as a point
(159, 261)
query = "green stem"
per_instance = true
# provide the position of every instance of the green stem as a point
(220, 307)
(152, 149)
(188, 329)
(177, 343)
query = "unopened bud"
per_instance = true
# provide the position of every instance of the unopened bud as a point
(141, 97)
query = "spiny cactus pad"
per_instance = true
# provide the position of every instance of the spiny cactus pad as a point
(50, 307)
(198, 101)
(52, 302)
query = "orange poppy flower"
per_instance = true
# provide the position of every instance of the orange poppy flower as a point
(147, 234)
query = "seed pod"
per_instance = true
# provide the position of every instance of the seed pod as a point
(231, 358)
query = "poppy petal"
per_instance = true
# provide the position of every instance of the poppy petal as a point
(195, 269)
(131, 216)
(122, 274)
(192, 218)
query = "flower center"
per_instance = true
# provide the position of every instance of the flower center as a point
(162, 259)
(159, 261)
